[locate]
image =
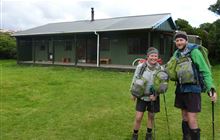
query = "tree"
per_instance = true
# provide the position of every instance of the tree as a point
(213, 38)
(215, 7)
(209, 33)
(184, 26)
(7, 46)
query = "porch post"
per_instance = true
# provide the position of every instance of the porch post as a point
(75, 44)
(53, 54)
(149, 39)
(17, 43)
(34, 50)
(98, 64)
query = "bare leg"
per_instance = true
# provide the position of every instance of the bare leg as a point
(137, 121)
(192, 127)
(193, 124)
(150, 120)
(192, 120)
(184, 115)
(150, 124)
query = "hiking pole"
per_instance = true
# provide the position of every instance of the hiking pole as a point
(153, 109)
(213, 125)
(154, 127)
(168, 127)
(213, 113)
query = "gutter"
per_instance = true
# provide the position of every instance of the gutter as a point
(98, 55)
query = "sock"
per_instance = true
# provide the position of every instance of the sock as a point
(195, 134)
(135, 131)
(197, 130)
(149, 130)
(185, 128)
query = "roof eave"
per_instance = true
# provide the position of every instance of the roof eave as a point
(50, 33)
(157, 24)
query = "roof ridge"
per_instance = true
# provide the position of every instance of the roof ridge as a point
(135, 16)
(109, 18)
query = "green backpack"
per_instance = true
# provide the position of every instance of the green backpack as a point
(186, 70)
(171, 66)
(161, 80)
(205, 53)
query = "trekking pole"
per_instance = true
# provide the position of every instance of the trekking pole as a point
(153, 109)
(213, 125)
(213, 113)
(154, 127)
(168, 127)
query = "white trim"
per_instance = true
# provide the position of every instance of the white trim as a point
(97, 49)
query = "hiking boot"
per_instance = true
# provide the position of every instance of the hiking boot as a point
(148, 136)
(134, 137)
(186, 137)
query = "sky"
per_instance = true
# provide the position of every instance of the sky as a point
(20, 15)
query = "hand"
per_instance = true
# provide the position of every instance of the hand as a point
(213, 95)
(153, 97)
(133, 98)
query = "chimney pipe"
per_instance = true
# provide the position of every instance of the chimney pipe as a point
(92, 14)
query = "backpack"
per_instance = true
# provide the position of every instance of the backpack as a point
(161, 80)
(171, 68)
(186, 70)
(205, 53)
(139, 84)
(172, 63)
(176, 68)
(160, 83)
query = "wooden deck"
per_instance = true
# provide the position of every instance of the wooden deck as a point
(82, 65)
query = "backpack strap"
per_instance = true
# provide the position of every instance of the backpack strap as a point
(195, 67)
(143, 67)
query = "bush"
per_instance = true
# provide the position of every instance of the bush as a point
(7, 46)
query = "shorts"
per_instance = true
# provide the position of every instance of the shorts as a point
(190, 102)
(152, 107)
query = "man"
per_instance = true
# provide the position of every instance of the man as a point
(190, 65)
(149, 100)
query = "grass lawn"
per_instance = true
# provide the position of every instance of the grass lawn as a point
(67, 103)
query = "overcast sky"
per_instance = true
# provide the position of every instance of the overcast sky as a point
(25, 14)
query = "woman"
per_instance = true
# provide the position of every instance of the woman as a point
(143, 93)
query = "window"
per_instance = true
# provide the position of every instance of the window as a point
(68, 45)
(137, 45)
(161, 49)
(152, 40)
(42, 47)
(25, 43)
(42, 44)
(105, 44)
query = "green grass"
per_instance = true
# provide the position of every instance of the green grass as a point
(60, 103)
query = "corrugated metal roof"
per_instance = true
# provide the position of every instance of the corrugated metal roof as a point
(100, 25)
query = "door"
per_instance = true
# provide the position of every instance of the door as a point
(50, 51)
(81, 50)
(91, 51)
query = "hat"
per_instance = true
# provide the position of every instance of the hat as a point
(181, 34)
(152, 50)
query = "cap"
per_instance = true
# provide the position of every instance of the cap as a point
(181, 34)
(152, 50)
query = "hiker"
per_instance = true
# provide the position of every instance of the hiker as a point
(145, 97)
(192, 75)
